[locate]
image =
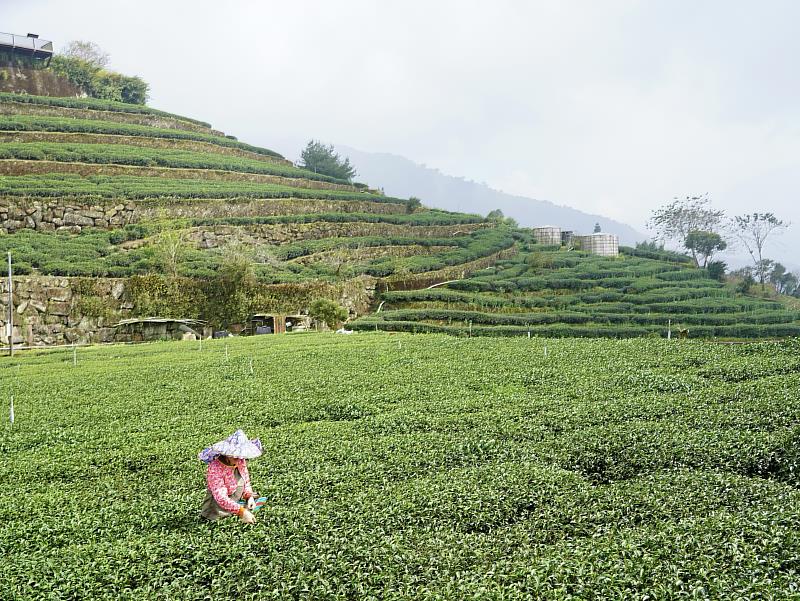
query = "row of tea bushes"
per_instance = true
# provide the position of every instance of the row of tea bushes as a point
(61, 124)
(137, 187)
(407, 467)
(94, 104)
(118, 154)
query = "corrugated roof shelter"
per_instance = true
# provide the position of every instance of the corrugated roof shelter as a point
(273, 323)
(157, 328)
(30, 46)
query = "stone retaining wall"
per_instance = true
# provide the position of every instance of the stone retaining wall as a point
(53, 214)
(40, 82)
(49, 215)
(48, 167)
(52, 310)
(213, 237)
(58, 310)
(152, 120)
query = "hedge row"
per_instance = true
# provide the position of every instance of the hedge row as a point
(476, 245)
(658, 255)
(94, 104)
(571, 331)
(575, 317)
(91, 126)
(139, 187)
(118, 154)
(433, 217)
(94, 253)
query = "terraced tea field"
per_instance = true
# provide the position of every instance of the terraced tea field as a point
(88, 188)
(100, 189)
(551, 291)
(401, 466)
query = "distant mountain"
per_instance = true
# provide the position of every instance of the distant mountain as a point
(401, 177)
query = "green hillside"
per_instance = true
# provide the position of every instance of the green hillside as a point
(100, 189)
(93, 151)
(549, 291)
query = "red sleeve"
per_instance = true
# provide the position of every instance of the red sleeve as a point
(248, 489)
(216, 484)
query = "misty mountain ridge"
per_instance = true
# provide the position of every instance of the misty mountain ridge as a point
(399, 176)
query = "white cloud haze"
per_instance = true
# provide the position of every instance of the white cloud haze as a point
(611, 107)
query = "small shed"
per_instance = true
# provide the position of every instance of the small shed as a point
(29, 46)
(548, 235)
(274, 323)
(148, 329)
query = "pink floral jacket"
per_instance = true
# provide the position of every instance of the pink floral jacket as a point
(222, 483)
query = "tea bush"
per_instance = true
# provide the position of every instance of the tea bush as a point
(94, 104)
(563, 293)
(142, 187)
(119, 154)
(94, 126)
(407, 467)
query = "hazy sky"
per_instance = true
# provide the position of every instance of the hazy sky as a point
(610, 106)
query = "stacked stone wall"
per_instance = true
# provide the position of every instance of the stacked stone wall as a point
(57, 214)
(52, 311)
(284, 233)
(50, 215)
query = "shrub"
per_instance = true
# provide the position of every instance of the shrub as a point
(99, 83)
(716, 270)
(328, 312)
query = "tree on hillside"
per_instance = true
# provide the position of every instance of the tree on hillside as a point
(232, 293)
(746, 284)
(753, 230)
(88, 52)
(677, 219)
(498, 216)
(785, 282)
(170, 249)
(412, 204)
(649, 245)
(597, 229)
(328, 312)
(321, 158)
(703, 245)
(84, 64)
(716, 270)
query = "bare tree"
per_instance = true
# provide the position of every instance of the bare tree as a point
(677, 219)
(87, 51)
(170, 250)
(752, 230)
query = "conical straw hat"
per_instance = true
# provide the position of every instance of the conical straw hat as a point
(236, 445)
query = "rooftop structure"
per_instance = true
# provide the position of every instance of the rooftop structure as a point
(29, 45)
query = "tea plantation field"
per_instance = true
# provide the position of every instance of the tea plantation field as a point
(401, 466)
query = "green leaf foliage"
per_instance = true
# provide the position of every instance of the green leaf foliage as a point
(120, 154)
(319, 158)
(100, 83)
(407, 467)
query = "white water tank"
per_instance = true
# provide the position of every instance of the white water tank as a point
(605, 245)
(548, 235)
